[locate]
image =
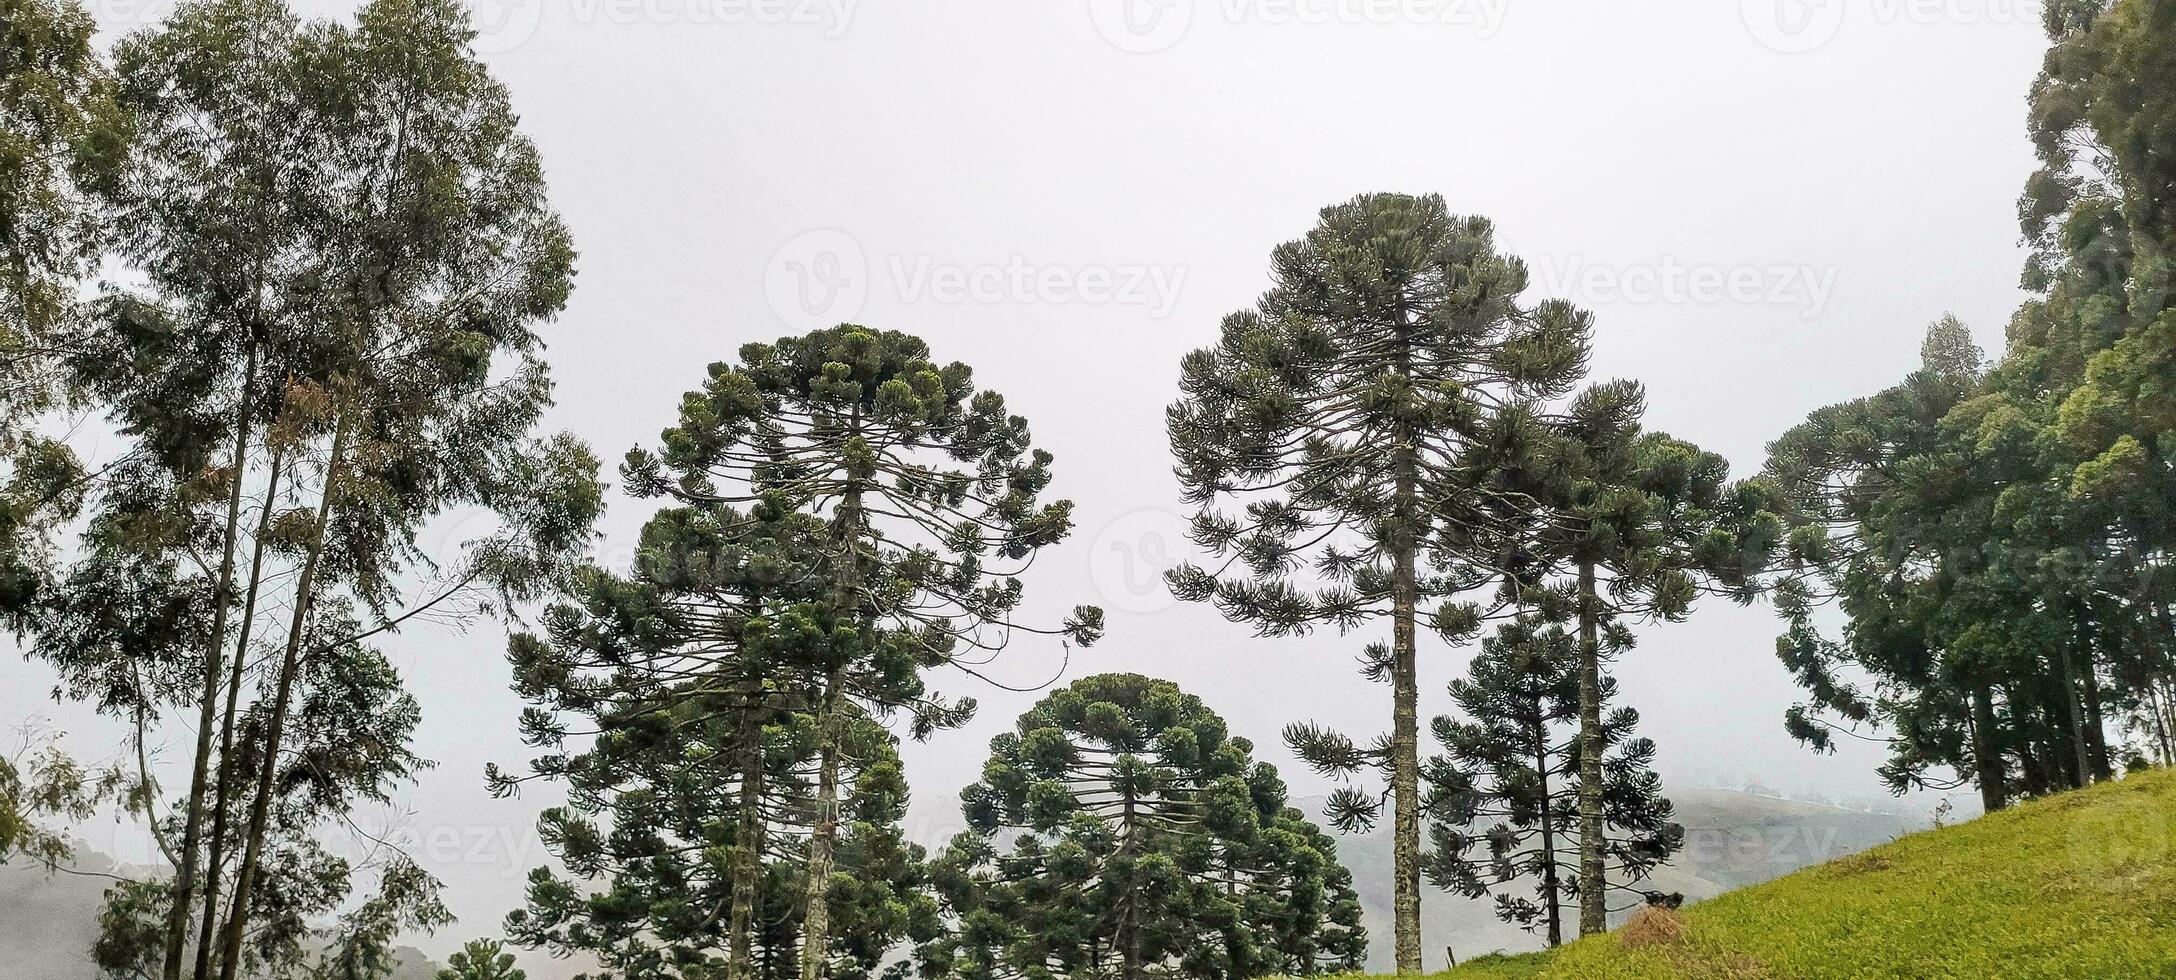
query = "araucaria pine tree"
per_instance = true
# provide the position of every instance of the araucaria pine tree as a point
(482, 959)
(694, 678)
(1366, 390)
(929, 492)
(1503, 799)
(1122, 832)
(1630, 524)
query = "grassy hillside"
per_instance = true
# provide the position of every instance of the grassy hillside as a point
(1732, 839)
(2080, 885)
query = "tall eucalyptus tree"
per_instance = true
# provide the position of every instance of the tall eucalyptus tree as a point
(344, 249)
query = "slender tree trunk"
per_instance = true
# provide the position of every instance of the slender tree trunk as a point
(1987, 764)
(2096, 730)
(1405, 727)
(2095, 762)
(260, 809)
(1551, 897)
(1593, 885)
(748, 840)
(2162, 674)
(2038, 775)
(2163, 725)
(823, 836)
(1131, 965)
(192, 833)
(223, 796)
(2074, 716)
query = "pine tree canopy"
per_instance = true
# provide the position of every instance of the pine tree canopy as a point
(1504, 795)
(1121, 831)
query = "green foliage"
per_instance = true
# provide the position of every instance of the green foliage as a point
(1121, 831)
(60, 132)
(1503, 798)
(1999, 536)
(696, 679)
(1362, 412)
(338, 248)
(929, 491)
(40, 784)
(482, 959)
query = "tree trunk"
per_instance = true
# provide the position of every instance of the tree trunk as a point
(1130, 957)
(223, 797)
(2039, 776)
(260, 809)
(1593, 887)
(2096, 731)
(2074, 716)
(2167, 719)
(2094, 762)
(1987, 764)
(2158, 690)
(823, 835)
(1550, 895)
(748, 840)
(1405, 730)
(192, 833)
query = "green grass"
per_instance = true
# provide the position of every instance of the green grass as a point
(2078, 885)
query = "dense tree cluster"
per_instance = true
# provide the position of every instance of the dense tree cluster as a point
(1405, 432)
(332, 249)
(1997, 533)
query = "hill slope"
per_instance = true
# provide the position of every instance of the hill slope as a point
(2078, 885)
(1732, 839)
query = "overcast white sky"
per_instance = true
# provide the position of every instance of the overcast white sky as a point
(1763, 201)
